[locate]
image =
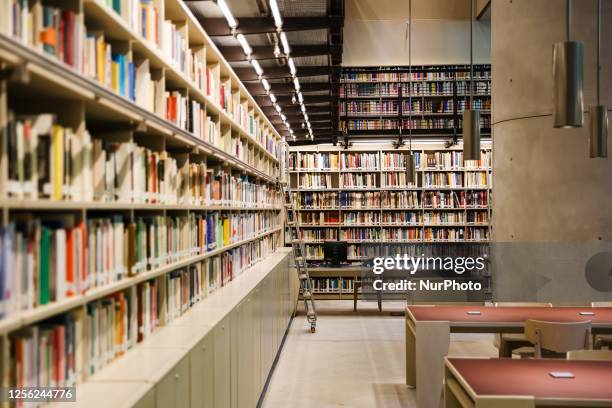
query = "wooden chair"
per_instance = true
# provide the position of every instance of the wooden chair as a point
(557, 337)
(595, 355)
(506, 343)
(602, 340)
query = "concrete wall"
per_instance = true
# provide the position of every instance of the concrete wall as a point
(375, 33)
(552, 204)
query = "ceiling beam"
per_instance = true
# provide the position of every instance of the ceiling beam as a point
(256, 89)
(217, 27)
(249, 74)
(266, 52)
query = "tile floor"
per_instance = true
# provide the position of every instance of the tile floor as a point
(353, 360)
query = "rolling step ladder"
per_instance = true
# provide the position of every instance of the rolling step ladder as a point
(299, 255)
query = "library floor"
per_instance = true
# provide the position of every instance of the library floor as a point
(354, 360)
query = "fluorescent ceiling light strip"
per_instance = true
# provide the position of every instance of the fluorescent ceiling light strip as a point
(257, 67)
(231, 21)
(273, 98)
(296, 83)
(285, 43)
(300, 97)
(291, 66)
(278, 20)
(265, 84)
(278, 108)
(244, 44)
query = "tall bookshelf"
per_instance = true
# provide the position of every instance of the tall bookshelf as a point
(137, 177)
(376, 100)
(361, 195)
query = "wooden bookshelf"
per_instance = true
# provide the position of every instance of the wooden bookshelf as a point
(179, 139)
(439, 210)
(375, 100)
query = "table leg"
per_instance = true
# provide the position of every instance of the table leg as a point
(355, 284)
(426, 348)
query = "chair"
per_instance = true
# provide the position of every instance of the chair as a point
(602, 340)
(557, 337)
(594, 355)
(506, 343)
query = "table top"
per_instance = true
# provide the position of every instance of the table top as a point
(530, 377)
(509, 316)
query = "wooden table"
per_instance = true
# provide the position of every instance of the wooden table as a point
(526, 383)
(345, 271)
(428, 331)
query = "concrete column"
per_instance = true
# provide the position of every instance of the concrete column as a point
(552, 204)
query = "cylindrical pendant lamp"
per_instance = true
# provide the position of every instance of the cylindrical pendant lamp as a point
(471, 134)
(410, 168)
(471, 116)
(568, 96)
(598, 114)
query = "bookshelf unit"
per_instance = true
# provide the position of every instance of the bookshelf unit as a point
(375, 100)
(360, 195)
(138, 178)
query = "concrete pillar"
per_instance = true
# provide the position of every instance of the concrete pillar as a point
(552, 204)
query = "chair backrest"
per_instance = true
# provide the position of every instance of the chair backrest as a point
(523, 304)
(558, 337)
(601, 304)
(599, 355)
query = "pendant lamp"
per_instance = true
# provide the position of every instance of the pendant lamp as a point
(598, 114)
(410, 168)
(471, 116)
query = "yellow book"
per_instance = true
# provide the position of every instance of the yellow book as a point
(226, 231)
(115, 76)
(101, 59)
(57, 163)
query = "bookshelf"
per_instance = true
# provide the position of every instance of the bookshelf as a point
(375, 100)
(367, 202)
(138, 177)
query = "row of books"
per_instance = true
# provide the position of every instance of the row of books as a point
(477, 217)
(481, 87)
(320, 218)
(369, 108)
(310, 199)
(318, 161)
(444, 217)
(315, 181)
(358, 180)
(443, 179)
(368, 251)
(439, 73)
(477, 234)
(455, 199)
(360, 234)
(54, 162)
(67, 349)
(444, 160)
(369, 90)
(402, 217)
(395, 180)
(361, 218)
(397, 161)
(60, 256)
(61, 32)
(476, 179)
(320, 234)
(332, 285)
(359, 199)
(359, 161)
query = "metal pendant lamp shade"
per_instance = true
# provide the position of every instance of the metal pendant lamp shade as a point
(598, 137)
(471, 116)
(471, 134)
(567, 84)
(410, 168)
(598, 114)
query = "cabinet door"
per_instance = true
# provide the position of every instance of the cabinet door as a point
(221, 381)
(173, 389)
(257, 317)
(148, 401)
(201, 369)
(235, 363)
(246, 395)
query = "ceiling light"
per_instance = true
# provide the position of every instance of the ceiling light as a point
(278, 20)
(305, 116)
(278, 108)
(471, 116)
(265, 84)
(272, 98)
(291, 66)
(293, 100)
(300, 97)
(296, 83)
(244, 44)
(231, 21)
(283, 117)
(257, 67)
(598, 114)
(303, 125)
(285, 43)
(277, 52)
(303, 107)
